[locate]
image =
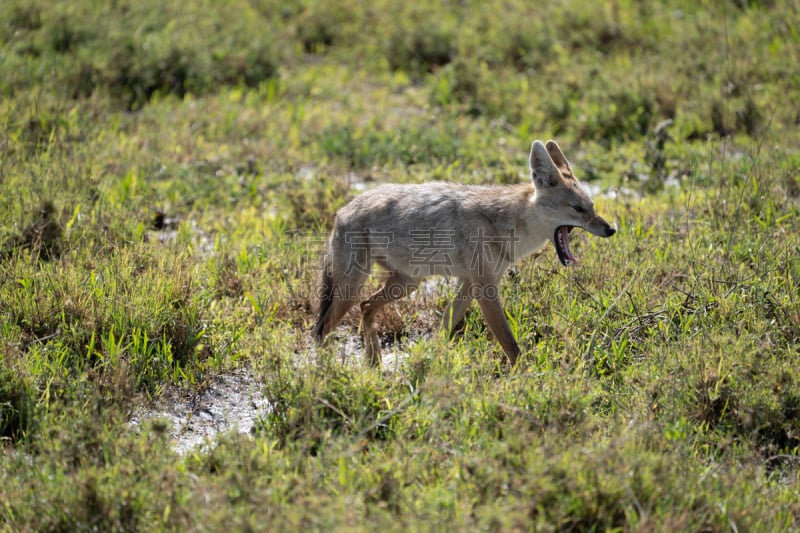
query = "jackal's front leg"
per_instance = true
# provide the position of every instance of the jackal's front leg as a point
(498, 324)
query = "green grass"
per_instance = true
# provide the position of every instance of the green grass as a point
(168, 174)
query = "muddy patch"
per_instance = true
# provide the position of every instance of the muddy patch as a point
(234, 401)
(227, 402)
(395, 350)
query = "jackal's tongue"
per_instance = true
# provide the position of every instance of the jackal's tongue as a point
(562, 244)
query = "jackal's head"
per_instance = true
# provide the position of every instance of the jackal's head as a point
(560, 199)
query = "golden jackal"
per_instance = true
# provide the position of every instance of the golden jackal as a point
(472, 232)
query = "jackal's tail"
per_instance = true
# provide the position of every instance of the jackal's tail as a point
(326, 296)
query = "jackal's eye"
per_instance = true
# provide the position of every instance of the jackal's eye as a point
(579, 208)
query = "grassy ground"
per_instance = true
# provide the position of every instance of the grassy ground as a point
(166, 175)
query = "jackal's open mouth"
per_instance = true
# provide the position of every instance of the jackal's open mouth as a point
(561, 241)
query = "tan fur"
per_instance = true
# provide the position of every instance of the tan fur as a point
(472, 232)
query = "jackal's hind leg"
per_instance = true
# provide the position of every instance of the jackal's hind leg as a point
(338, 309)
(397, 286)
(337, 296)
(458, 307)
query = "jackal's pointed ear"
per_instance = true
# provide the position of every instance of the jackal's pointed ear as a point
(543, 171)
(558, 156)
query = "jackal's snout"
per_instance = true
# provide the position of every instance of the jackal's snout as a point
(598, 226)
